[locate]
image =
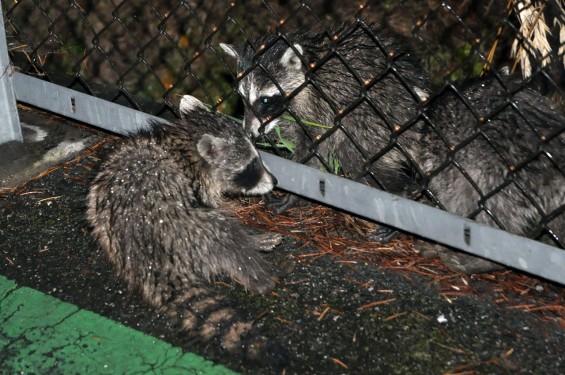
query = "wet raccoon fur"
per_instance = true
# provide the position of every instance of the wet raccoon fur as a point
(495, 152)
(304, 72)
(456, 148)
(155, 209)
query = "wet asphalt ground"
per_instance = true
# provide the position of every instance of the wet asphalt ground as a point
(331, 316)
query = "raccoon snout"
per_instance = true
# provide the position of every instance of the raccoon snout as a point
(255, 179)
(255, 131)
(251, 124)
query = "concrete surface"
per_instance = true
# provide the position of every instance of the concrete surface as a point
(48, 141)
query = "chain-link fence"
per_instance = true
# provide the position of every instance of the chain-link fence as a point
(455, 103)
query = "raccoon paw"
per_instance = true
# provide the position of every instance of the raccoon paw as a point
(261, 285)
(267, 241)
(281, 204)
(285, 267)
(467, 264)
(265, 281)
(428, 249)
(383, 234)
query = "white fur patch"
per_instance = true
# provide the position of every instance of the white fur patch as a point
(254, 126)
(422, 94)
(189, 103)
(271, 91)
(290, 58)
(253, 93)
(230, 50)
(271, 125)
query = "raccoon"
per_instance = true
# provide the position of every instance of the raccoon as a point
(155, 209)
(495, 152)
(335, 79)
(492, 152)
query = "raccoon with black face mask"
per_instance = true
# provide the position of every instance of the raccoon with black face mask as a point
(352, 77)
(475, 153)
(155, 209)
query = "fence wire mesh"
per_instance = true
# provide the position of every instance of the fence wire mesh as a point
(457, 104)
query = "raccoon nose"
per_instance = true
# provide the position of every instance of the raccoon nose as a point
(275, 181)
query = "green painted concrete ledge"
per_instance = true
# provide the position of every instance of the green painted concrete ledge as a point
(41, 334)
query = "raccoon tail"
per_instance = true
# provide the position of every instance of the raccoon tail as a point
(206, 316)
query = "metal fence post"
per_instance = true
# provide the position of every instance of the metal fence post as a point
(10, 125)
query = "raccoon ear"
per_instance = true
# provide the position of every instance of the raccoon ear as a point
(189, 104)
(231, 50)
(209, 147)
(291, 59)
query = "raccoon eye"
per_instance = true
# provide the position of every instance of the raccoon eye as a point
(250, 176)
(269, 106)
